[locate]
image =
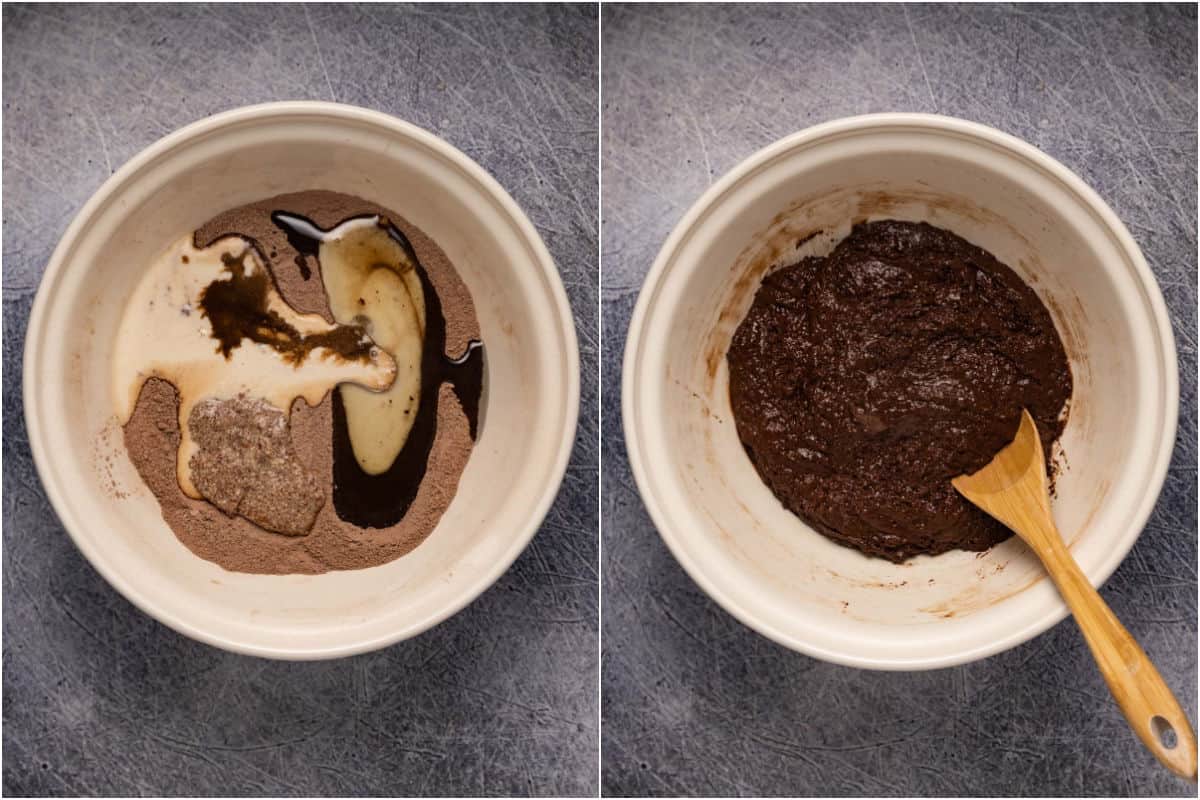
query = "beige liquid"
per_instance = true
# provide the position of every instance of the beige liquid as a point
(371, 281)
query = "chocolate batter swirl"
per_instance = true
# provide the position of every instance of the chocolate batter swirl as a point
(862, 382)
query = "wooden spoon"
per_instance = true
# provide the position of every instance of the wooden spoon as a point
(1012, 488)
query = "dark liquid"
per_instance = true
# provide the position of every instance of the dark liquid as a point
(305, 246)
(380, 501)
(237, 309)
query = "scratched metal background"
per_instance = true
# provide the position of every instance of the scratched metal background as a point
(100, 699)
(693, 702)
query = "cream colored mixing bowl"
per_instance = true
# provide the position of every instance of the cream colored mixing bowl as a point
(528, 417)
(761, 562)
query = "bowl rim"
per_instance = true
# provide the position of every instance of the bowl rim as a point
(483, 182)
(642, 465)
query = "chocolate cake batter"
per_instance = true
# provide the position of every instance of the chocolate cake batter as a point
(311, 537)
(863, 381)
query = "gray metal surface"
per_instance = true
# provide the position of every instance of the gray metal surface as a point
(100, 699)
(695, 703)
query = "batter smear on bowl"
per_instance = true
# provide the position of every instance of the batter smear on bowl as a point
(861, 382)
(299, 382)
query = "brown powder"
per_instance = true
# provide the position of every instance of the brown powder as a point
(235, 543)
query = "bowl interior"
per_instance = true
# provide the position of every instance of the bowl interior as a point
(762, 562)
(529, 399)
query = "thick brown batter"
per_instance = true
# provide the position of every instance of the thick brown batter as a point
(862, 382)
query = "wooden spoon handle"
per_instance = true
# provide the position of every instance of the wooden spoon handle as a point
(1151, 708)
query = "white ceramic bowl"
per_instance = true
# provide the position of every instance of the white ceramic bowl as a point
(529, 417)
(762, 563)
